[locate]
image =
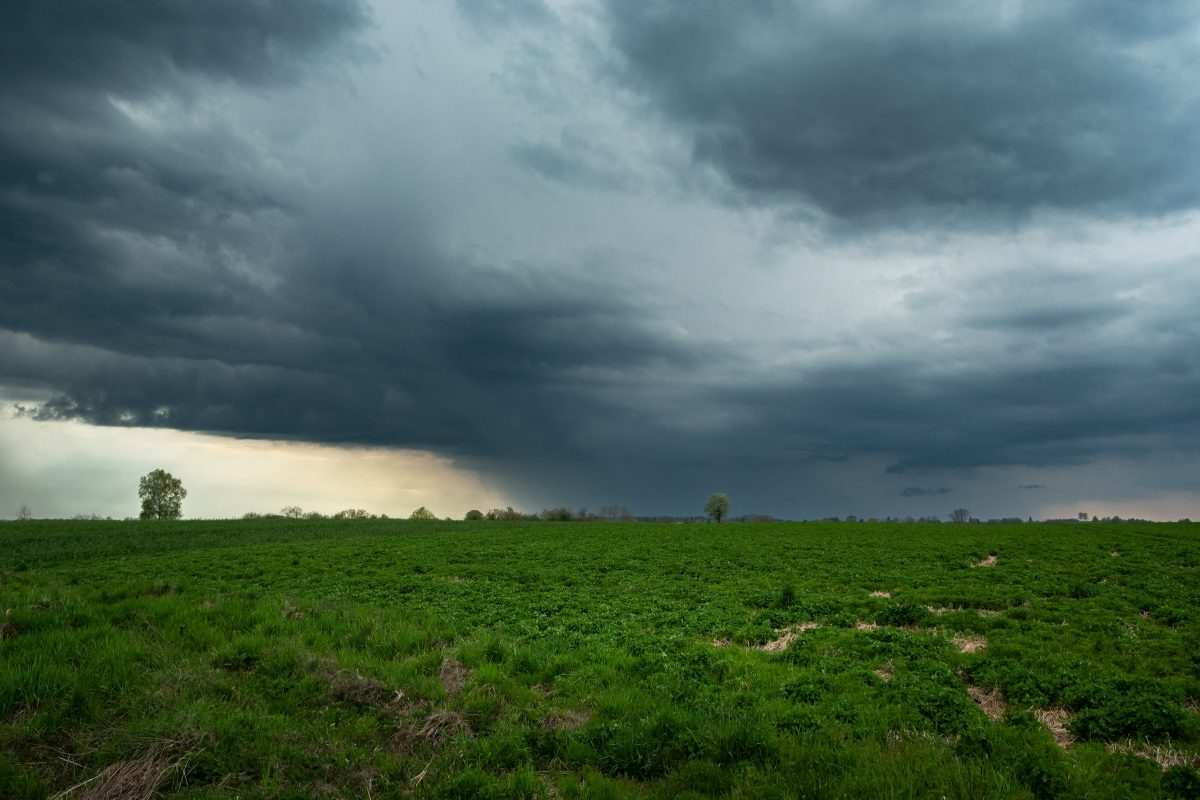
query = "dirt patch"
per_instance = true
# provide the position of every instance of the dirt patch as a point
(454, 675)
(885, 672)
(1114, 554)
(990, 561)
(880, 593)
(788, 636)
(1055, 720)
(1166, 757)
(866, 626)
(989, 702)
(969, 644)
(565, 719)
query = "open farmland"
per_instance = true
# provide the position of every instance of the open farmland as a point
(280, 658)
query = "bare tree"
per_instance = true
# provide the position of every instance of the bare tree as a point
(960, 515)
(24, 513)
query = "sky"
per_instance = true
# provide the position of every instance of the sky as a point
(851, 257)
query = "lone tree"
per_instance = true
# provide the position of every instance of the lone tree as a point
(474, 514)
(717, 506)
(162, 495)
(960, 515)
(24, 513)
(422, 513)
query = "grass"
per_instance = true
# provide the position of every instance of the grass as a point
(374, 658)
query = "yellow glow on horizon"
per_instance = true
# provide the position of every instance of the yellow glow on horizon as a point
(66, 468)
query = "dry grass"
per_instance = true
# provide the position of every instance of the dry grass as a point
(866, 626)
(134, 779)
(454, 675)
(291, 612)
(720, 642)
(788, 636)
(880, 593)
(429, 732)
(1056, 719)
(990, 561)
(885, 671)
(565, 719)
(1165, 755)
(969, 644)
(990, 702)
(8, 630)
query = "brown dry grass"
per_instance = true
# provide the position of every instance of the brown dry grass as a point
(454, 675)
(880, 593)
(566, 719)
(885, 671)
(990, 561)
(969, 644)
(427, 732)
(1056, 719)
(788, 636)
(134, 779)
(990, 702)
(866, 626)
(1165, 755)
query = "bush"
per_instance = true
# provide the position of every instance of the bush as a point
(1181, 782)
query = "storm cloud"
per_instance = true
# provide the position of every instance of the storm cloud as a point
(821, 256)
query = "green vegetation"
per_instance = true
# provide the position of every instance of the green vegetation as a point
(281, 658)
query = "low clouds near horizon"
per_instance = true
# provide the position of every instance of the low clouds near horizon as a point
(830, 258)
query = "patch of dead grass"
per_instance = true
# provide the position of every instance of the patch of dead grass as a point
(1055, 720)
(968, 644)
(428, 732)
(1165, 755)
(880, 593)
(990, 561)
(990, 702)
(134, 779)
(862, 625)
(566, 719)
(453, 675)
(788, 636)
(885, 672)
(8, 630)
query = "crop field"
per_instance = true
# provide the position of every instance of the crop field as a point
(376, 658)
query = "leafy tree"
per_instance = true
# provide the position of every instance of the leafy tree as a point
(162, 495)
(473, 515)
(717, 506)
(960, 515)
(422, 513)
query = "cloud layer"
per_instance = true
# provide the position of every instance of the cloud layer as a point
(832, 258)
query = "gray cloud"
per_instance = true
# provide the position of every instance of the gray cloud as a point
(917, 491)
(167, 262)
(873, 111)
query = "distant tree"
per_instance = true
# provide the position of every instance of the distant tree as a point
(473, 514)
(292, 512)
(960, 515)
(556, 514)
(162, 495)
(353, 513)
(582, 513)
(24, 513)
(614, 512)
(1083, 515)
(422, 513)
(717, 506)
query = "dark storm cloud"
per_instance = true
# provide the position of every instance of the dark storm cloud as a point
(171, 273)
(881, 111)
(918, 491)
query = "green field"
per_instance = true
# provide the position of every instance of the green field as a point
(376, 658)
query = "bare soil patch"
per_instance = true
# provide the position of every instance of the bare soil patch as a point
(990, 702)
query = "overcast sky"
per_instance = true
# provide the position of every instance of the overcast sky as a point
(852, 257)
